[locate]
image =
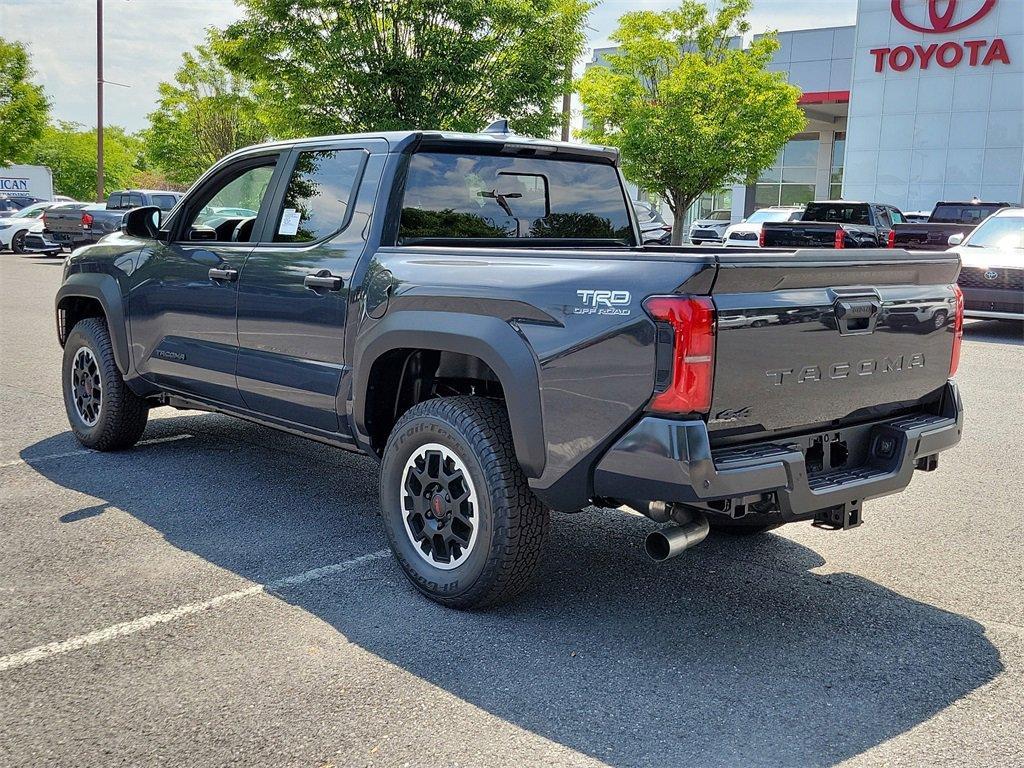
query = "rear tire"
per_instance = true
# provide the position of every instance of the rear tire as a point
(104, 414)
(459, 515)
(18, 241)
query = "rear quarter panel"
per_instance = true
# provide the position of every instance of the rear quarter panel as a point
(594, 352)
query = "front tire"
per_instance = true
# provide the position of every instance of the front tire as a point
(458, 513)
(104, 414)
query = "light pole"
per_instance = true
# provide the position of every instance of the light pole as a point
(99, 102)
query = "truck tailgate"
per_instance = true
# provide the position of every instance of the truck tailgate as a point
(829, 337)
(799, 234)
(66, 222)
(932, 237)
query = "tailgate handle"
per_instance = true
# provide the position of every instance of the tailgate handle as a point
(857, 316)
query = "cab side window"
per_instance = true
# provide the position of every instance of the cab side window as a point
(226, 211)
(316, 202)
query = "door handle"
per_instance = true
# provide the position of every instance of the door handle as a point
(323, 281)
(227, 275)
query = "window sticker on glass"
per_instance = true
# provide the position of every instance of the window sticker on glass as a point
(290, 220)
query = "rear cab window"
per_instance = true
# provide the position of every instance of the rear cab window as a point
(453, 196)
(953, 213)
(844, 213)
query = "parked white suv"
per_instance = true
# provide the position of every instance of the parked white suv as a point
(747, 234)
(711, 228)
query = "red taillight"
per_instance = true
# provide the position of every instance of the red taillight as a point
(891, 240)
(760, 238)
(86, 220)
(840, 238)
(958, 330)
(692, 319)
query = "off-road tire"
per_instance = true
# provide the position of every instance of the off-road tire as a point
(122, 413)
(513, 522)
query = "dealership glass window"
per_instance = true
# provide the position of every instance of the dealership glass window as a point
(790, 179)
(838, 159)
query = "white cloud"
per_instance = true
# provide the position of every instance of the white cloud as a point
(144, 40)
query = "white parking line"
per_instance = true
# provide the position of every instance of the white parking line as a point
(83, 451)
(41, 652)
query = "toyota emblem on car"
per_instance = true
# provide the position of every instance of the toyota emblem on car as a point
(991, 275)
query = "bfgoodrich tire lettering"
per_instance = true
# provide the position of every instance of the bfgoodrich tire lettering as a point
(116, 418)
(510, 523)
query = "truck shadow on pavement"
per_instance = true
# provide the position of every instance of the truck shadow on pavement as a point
(735, 653)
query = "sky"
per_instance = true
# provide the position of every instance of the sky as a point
(144, 40)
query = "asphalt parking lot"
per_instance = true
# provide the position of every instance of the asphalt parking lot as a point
(221, 595)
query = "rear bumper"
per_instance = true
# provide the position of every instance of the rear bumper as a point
(672, 461)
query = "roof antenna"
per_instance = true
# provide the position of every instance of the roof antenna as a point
(498, 126)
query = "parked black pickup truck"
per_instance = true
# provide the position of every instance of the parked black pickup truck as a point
(70, 229)
(834, 224)
(475, 311)
(946, 220)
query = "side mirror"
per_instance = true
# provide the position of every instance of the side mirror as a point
(142, 222)
(955, 240)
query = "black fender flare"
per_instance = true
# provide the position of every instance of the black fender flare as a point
(104, 289)
(488, 338)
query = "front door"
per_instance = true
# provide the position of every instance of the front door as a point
(293, 292)
(182, 305)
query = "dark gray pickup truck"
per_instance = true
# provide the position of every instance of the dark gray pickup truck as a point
(71, 229)
(834, 224)
(947, 219)
(476, 311)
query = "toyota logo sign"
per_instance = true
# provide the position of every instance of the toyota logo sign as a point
(939, 17)
(991, 275)
(943, 16)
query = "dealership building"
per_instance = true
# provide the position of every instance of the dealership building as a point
(919, 101)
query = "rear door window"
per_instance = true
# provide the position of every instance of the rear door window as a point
(473, 197)
(316, 203)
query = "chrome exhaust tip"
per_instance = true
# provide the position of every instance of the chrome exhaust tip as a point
(676, 539)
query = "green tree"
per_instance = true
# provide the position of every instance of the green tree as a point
(205, 114)
(24, 109)
(690, 112)
(70, 152)
(337, 66)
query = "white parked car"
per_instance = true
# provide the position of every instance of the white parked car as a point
(15, 226)
(747, 234)
(992, 276)
(711, 228)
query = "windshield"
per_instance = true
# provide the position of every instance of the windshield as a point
(720, 215)
(33, 211)
(999, 232)
(473, 197)
(769, 215)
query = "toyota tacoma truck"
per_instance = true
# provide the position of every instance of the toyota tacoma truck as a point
(834, 224)
(947, 220)
(476, 312)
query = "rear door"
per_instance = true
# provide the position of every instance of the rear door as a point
(294, 291)
(183, 302)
